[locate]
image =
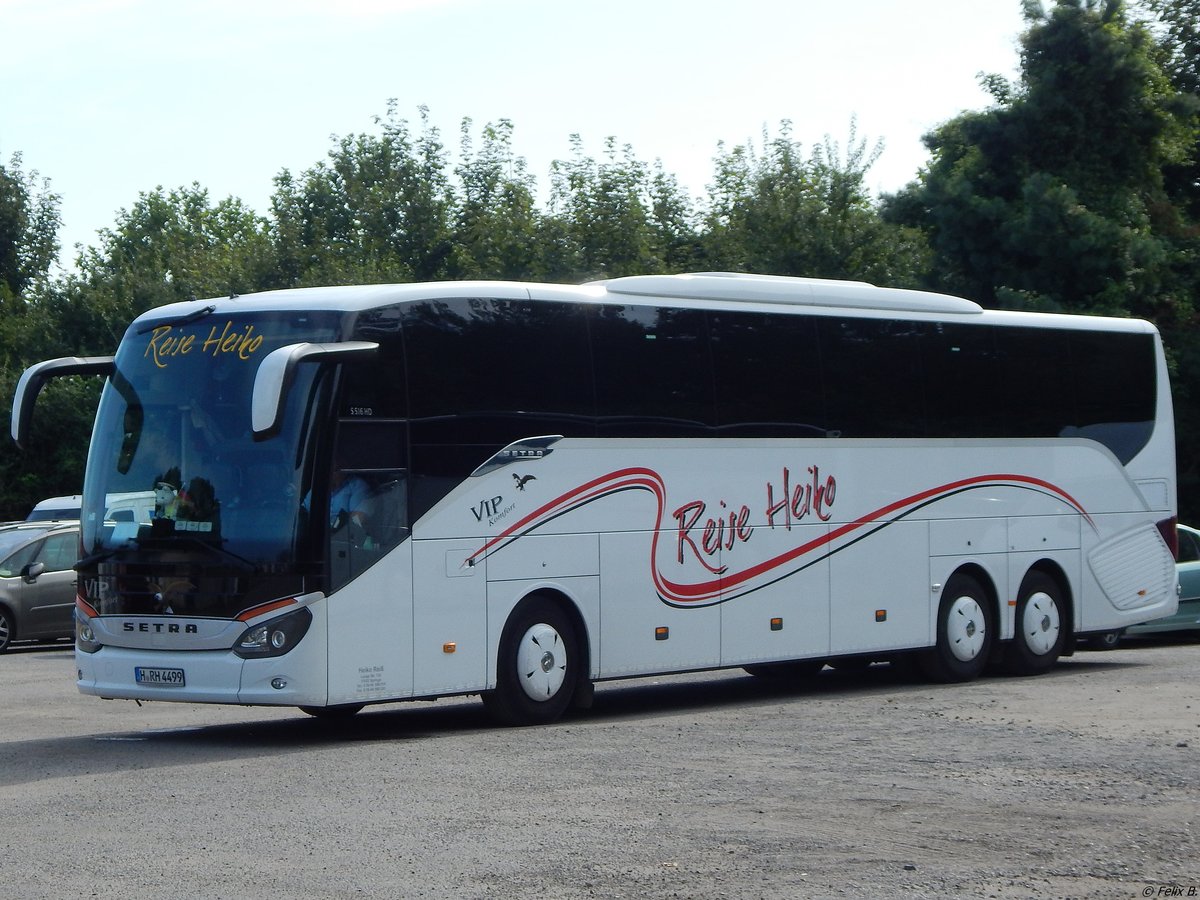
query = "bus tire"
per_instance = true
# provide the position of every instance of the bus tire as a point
(1040, 627)
(964, 633)
(537, 666)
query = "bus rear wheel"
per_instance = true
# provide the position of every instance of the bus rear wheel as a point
(537, 667)
(1040, 630)
(964, 633)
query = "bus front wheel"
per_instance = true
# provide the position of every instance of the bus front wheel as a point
(964, 633)
(537, 666)
(1039, 630)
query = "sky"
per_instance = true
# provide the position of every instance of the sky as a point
(113, 98)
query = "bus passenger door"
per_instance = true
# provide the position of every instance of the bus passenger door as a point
(369, 555)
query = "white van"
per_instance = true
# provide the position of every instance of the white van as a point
(55, 509)
(134, 506)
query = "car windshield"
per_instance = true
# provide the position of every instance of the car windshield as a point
(173, 458)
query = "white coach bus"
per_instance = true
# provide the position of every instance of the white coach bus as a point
(370, 494)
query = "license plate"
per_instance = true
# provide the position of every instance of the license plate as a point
(170, 677)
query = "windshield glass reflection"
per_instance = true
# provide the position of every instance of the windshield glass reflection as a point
(173, 459)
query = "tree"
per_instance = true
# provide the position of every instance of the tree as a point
(29, 222)
(1054, 197)
(495, 215)
(603, 214)
(377, 210)
(777, 212)
(52, 463)
(1178, 26)
(169, 246)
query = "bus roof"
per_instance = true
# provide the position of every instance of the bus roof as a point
(711, 290)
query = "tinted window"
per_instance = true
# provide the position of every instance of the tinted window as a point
(962, 386)
(502, 369)
(484, 373)
(1033, 365)
(768, 375)
(653, 372)
(873, 377)
(1114, 378)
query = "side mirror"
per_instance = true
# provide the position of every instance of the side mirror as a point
(31, 571)
(277, 372)
(34, 379)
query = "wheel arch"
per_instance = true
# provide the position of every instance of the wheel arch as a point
(575, 608)
(523, 696)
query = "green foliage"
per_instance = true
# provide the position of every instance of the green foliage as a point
(605, 213)
(776, 212)
(1177, 23)
(53, 462)
(495, 216)
(377, 210)
(1054, 198)
(29, 221)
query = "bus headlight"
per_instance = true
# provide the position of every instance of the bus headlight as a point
(273, 638)
(85, 637)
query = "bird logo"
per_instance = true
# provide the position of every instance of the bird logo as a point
(522, 479)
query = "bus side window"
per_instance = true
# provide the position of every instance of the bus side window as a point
(370, 476)
(653, 372)
(872, 376)
(768, 375)
(373, 450)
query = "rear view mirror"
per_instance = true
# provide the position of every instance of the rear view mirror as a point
(277, 372)
(34, 379)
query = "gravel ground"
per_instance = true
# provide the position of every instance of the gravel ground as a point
(1084, 782)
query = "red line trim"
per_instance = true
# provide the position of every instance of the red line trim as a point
(677, 593)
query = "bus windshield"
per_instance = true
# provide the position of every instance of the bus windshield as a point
(173, 463)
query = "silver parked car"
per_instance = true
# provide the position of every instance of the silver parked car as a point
(37, 581)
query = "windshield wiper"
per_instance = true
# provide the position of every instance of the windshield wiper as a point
(209, 547)
(181, 320)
